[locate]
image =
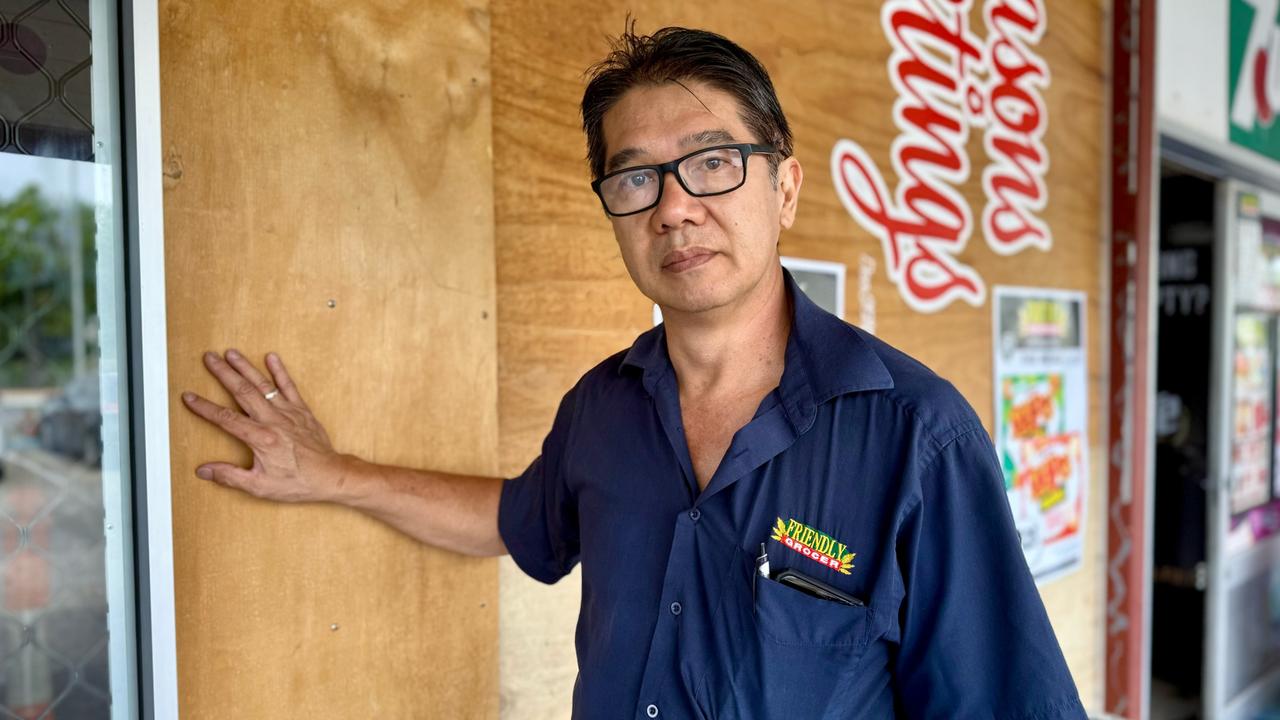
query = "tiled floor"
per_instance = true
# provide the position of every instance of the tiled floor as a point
(1168, 704)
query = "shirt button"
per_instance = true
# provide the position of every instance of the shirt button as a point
(651, 711)
(676, 609)
(694, 514)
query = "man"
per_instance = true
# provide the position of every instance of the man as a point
(776, 514)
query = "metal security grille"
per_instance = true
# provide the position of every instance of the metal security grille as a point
(45, 56)
(53, 626)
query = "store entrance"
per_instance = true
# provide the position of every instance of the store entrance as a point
(1184, 320)
(1215, 610)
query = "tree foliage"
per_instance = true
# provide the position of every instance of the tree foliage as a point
(35, 286)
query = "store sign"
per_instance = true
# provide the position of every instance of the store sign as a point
(1254, 80)
(949, 80)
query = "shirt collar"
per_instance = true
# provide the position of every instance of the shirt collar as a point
(825, 357)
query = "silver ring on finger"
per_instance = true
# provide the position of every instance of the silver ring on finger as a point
(271, 395)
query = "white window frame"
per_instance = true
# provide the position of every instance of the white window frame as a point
(148, 361)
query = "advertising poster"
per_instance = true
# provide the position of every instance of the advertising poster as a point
(1041, 403)
(1251, 413)
(1257, 256)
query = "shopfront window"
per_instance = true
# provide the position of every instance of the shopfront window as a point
(65, 570)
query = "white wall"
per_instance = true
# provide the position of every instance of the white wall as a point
(1191, 62)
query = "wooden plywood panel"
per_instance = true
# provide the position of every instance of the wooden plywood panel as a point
(565, 300)
(328, 195)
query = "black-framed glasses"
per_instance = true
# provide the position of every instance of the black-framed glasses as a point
(710, 171)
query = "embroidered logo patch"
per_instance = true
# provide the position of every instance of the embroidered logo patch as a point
(817, 546)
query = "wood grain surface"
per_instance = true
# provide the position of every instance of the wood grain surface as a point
(329, 196)
(565, 301)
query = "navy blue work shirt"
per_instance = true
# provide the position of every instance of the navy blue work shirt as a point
(863, 470)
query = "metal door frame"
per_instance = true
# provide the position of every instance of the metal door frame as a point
(157, 666)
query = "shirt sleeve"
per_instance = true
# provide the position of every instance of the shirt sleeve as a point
(976, 640)
(538, 512)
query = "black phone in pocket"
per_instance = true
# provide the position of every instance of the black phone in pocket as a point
(816, 588)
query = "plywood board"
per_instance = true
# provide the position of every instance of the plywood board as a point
(565, 300)
(329, 196)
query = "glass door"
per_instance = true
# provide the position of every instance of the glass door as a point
(67, 632)
(1242, 639)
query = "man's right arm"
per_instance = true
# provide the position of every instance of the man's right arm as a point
(294, 461)
(454, 512)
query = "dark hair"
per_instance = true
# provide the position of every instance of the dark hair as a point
(675, 54)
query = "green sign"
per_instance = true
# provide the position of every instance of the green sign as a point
(1254, 76)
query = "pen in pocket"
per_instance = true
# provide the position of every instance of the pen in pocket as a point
(762, 570)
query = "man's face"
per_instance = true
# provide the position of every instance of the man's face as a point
(694, 254)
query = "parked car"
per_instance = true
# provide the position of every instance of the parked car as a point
(71, 424)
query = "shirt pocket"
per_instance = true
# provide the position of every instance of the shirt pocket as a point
(789, 617)
(777, 652)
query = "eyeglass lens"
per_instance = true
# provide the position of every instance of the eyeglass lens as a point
(714, 171)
